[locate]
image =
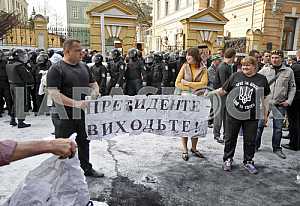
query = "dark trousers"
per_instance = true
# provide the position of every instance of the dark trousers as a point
(232, 130)
(278, 116)
(33, 93)
(133, 87)
(65, 127)
(294, 124)
(211, 112)
(5, 93)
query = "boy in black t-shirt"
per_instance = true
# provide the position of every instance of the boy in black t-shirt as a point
(245, 91)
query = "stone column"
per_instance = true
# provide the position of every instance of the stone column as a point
(41, 32)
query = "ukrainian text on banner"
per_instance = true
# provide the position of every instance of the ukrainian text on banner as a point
(168, 115)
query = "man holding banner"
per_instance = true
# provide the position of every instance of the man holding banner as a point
(67, 80)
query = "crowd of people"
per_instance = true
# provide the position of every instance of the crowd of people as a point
(191, 72)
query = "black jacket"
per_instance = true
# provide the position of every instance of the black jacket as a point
(100, 74)
(296, 69)
(224, 71)
(18, 74)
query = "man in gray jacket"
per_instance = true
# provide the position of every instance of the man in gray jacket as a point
(212, 72)
(283, 88)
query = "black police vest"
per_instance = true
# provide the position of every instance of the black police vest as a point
(99, 72)
(133, 71)
(115, 69)
(157, 72)
(14, 70)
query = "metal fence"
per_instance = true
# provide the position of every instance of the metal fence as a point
(25, 36)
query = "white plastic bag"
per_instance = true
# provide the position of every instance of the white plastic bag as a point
(55, 182)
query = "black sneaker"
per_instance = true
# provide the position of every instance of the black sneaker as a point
(210, 126)
(23, 125)
(93, 173)
(249, 166)
(227, 166)
(280, 154)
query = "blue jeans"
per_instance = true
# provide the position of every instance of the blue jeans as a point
(278, 117)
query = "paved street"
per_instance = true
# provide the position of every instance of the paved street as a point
(147, 170)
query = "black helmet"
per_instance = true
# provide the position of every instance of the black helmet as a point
(42, 58)
(166, 56)
(133, 53)
(20, 55)
(98, 58)
(50, 53)
(158, 56)
(32, 56)
(149, 59)
(115, 53)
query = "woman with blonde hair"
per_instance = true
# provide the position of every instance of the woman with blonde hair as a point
(191, 80)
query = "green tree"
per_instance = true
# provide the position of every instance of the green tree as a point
(142, 9)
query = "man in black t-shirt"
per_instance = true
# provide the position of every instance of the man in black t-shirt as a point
(245, 91)
(62, 78)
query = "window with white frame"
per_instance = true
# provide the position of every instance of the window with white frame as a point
(75, 12)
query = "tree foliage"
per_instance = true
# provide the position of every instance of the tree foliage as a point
(7, 22)
(142, 9)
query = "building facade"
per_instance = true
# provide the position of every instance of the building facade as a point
(19, 7)
(266, 24)
(112, 25)
(78, 20)
(180, 24)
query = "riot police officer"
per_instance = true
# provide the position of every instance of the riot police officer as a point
(43, 65)
(134, 73)
(4, 87)
(116, 69)
(181, 60)
(148, 74)
(173, 71)
(19, 76)
(158, 70)
(100, 73)
(32, 67)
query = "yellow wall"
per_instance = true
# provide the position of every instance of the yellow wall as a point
(270, 23)
(127, 34)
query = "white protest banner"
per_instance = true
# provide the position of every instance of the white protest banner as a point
(169, 115)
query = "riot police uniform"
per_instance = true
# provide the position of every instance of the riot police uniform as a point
(32, 67)
(172, 68)
(181, 60)
(4, 86)
(134, 73)
(158, 70)
(116, 69)
(43, 65)
(100, 73)
(19, 76)
(148, 74)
